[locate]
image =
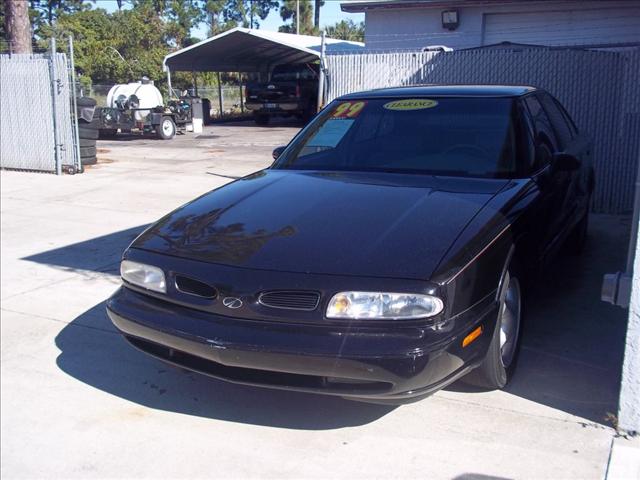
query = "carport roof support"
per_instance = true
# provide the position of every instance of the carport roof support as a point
(249, 50)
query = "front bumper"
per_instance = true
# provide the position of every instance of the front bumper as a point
(368, 364)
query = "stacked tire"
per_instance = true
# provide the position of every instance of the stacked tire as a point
(88, 131)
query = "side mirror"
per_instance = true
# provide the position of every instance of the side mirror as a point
(277, 152)
(565, 162)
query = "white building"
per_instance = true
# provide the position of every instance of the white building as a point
(415, 24)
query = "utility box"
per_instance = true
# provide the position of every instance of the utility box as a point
(197, 114)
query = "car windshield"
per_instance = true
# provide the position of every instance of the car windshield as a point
(471, 137)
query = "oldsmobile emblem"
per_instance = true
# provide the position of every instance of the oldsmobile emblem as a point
(232, 302)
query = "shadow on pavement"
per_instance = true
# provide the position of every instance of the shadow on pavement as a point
(274, 122)
(570, 360)
(100, 254)
(93, 352)
(573, 343)
(128, 137)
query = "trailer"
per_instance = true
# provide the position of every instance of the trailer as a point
(138, 107)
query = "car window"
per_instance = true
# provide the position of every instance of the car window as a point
(472, 137)
(558, 121)
(568, 119)
(525, 135)
(295, 71)
(545, 138)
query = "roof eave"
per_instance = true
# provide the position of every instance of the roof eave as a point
(360, 7)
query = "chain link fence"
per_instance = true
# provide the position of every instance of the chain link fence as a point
(598, 88)
(232, 99)
(38, 129)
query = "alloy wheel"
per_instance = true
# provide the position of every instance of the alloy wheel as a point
(510, 313)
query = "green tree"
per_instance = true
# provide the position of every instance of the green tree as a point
(182, 16)
(346, 30)
(222, 15)
(118, 47)
(247, 13)
(3, 33)
(46, 12)
(214, 16)
(157, 6)
(288, 11)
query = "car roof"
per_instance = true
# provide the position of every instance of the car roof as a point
(445, 91)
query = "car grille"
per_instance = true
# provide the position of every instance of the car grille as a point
(195, 287)
(290, 300)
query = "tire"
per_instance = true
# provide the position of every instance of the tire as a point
(107, 133)
(83, 123)
(87, 151)
(89, 160)
(86, 102)
(87, 142)
(261, 119)
(167, 129)
(88, 133)
(94, 124)
(498, 366)
(308, 113)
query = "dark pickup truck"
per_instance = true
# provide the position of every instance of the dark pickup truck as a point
(292, 90)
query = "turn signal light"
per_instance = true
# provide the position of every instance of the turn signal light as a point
(472, 336)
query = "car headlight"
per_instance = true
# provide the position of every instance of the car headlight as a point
(383, 305)
(145, 276)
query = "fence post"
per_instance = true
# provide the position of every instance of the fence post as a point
(54, 93)
(74, 113)
(169, 83)
(220, 95)
(321, 75)
(241, 93)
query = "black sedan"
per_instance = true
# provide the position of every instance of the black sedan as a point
(381, 257)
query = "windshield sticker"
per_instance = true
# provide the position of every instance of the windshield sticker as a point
(410, 104)
(331, 133)
(348, 110)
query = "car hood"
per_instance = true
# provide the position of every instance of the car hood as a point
(364, 224)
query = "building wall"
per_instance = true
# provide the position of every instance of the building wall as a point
(557, 23)
(629, 410)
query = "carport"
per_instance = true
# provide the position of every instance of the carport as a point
(250, 50)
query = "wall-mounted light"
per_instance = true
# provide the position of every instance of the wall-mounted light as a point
(450, 19)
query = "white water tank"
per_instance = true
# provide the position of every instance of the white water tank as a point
(126, 95)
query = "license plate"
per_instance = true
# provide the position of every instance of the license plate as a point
(271, 105)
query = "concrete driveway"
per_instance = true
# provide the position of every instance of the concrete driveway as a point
(77, 401)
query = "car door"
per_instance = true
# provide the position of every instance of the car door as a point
(554, 203)
(581, 147)
(570, 142)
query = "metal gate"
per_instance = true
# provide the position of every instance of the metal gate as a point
(38, 129)
(598, 88)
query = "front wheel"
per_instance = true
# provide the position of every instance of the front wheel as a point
(167, 129)
(496, 369)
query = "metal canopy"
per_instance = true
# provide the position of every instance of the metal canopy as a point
(250, 50)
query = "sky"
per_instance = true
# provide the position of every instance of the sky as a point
(330, 13)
